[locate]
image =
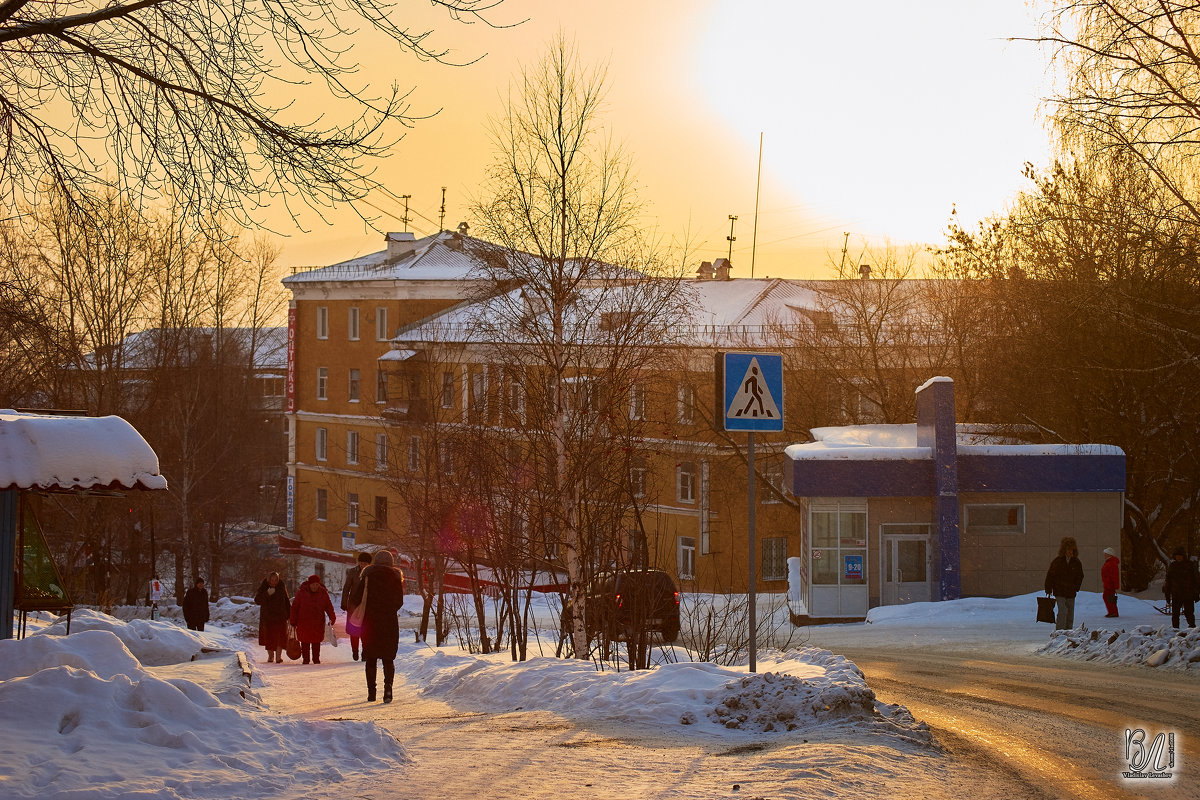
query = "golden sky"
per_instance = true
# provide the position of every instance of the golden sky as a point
(876, 119)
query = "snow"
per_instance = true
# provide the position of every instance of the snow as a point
(53, 452)
(899, 442)
(146, 708)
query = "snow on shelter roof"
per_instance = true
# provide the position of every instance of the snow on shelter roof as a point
(886, 442)
(42, 451)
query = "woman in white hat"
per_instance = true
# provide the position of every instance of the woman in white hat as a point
(1110, 577)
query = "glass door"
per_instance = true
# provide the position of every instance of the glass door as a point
(905, 564)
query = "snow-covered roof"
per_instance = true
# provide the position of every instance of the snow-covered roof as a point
(884, 442)
(40, 451)
(143, 350)
(442, 256)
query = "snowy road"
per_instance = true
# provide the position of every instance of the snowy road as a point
(464, 752)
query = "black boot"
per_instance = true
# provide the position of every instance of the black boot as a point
(370, 670)
(389, 674)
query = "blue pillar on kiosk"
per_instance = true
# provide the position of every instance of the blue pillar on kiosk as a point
(936, 430)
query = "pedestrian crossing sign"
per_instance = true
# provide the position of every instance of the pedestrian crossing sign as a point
(750, 391)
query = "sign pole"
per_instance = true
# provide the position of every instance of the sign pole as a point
(752, 591)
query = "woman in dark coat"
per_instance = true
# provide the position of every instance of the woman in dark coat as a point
(310, 607)
(383, 586)
(274, 610)
(195, 606)
(1063, 580)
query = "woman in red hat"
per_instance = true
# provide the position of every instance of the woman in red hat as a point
(309, 610)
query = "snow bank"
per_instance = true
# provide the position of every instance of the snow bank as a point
(106, 726)
(1161, 646)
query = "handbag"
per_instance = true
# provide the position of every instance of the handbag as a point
(1045, 611)
(292, 647)
(354, 620)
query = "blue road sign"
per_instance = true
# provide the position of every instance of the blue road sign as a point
(752, 391)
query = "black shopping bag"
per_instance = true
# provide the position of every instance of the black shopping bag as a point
(1045, 609)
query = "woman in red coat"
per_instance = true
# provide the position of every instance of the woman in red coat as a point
(309, 610)
(1110, 578)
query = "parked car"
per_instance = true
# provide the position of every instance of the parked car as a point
(619, 604)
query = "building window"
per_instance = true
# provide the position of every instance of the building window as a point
(687, 404)
(995, 518)
(322, 322)
(380, 522)
(381, 386)
(414, 452)
(687, 557)
(322, 383)
(381, 324)
(685, 482)
(322, 504)
(637, 401)
(839, 548)
(352, 509)
(381, 453)
(479, 392)
(637, 476)
(447, 389)
(322, 444)
(351, 447)
(446, 457)
(774, 479)
(352, 323)
(354, 382)
(774, 558)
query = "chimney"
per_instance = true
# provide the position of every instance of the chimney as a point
(722, 267)
(400, 246)
(705, 273)
(864, 271)
(463, 228)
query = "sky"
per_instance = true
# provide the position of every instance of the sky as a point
(875, 119)
(132, 707)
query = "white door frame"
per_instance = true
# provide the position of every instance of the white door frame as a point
(898, 592)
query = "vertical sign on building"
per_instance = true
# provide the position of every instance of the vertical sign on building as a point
(291, 503)
(291, 365)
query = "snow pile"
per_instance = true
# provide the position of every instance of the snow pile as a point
(1161, 646)
(151, 643)
(106, 725)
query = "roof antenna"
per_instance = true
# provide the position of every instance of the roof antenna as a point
(757, 192)
(731, 237)
(442, 216)
(404, 219)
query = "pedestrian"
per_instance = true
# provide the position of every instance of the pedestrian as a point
(352, 577)
(195, 606)
(310, 607)
(1110, 578)
(382, 590)
(1182, 588)
(274, 610)
(1063, 580)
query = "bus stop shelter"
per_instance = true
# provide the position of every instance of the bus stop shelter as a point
(47, 452)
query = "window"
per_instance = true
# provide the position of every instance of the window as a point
(687, 557)
(414, 452)
(271, 386)
(685, 483)
(515, 394)
(637, 401)
(479, 392)
(322, 322)
(322, 444)
(446, 457)
(380, 521)
(381, 386)
(352, 509)
(351, 447)
(352, 323)
(381, 324)
(322, 509)
(381, 452)
(322, 383)
(354, 382)
(447, 389)
(839, 547)
(774, 558)
(687, 404)
(774, 479)
(990, 519)
(637, 476)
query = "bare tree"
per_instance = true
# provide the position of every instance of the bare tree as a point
(209, 103)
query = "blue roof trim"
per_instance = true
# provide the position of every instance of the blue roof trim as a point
(1046, 473)
(817, 477)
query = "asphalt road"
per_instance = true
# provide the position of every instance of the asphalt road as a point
(1057, 726)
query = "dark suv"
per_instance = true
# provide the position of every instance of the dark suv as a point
(620, 604)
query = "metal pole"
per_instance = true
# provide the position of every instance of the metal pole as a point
(757, 193)
(752, 589)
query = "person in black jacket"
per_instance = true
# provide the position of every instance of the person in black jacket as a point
(1063, 580)
(195, 606)
(382, 589)
(274, 609)
(1182, 588)
(353, 575)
